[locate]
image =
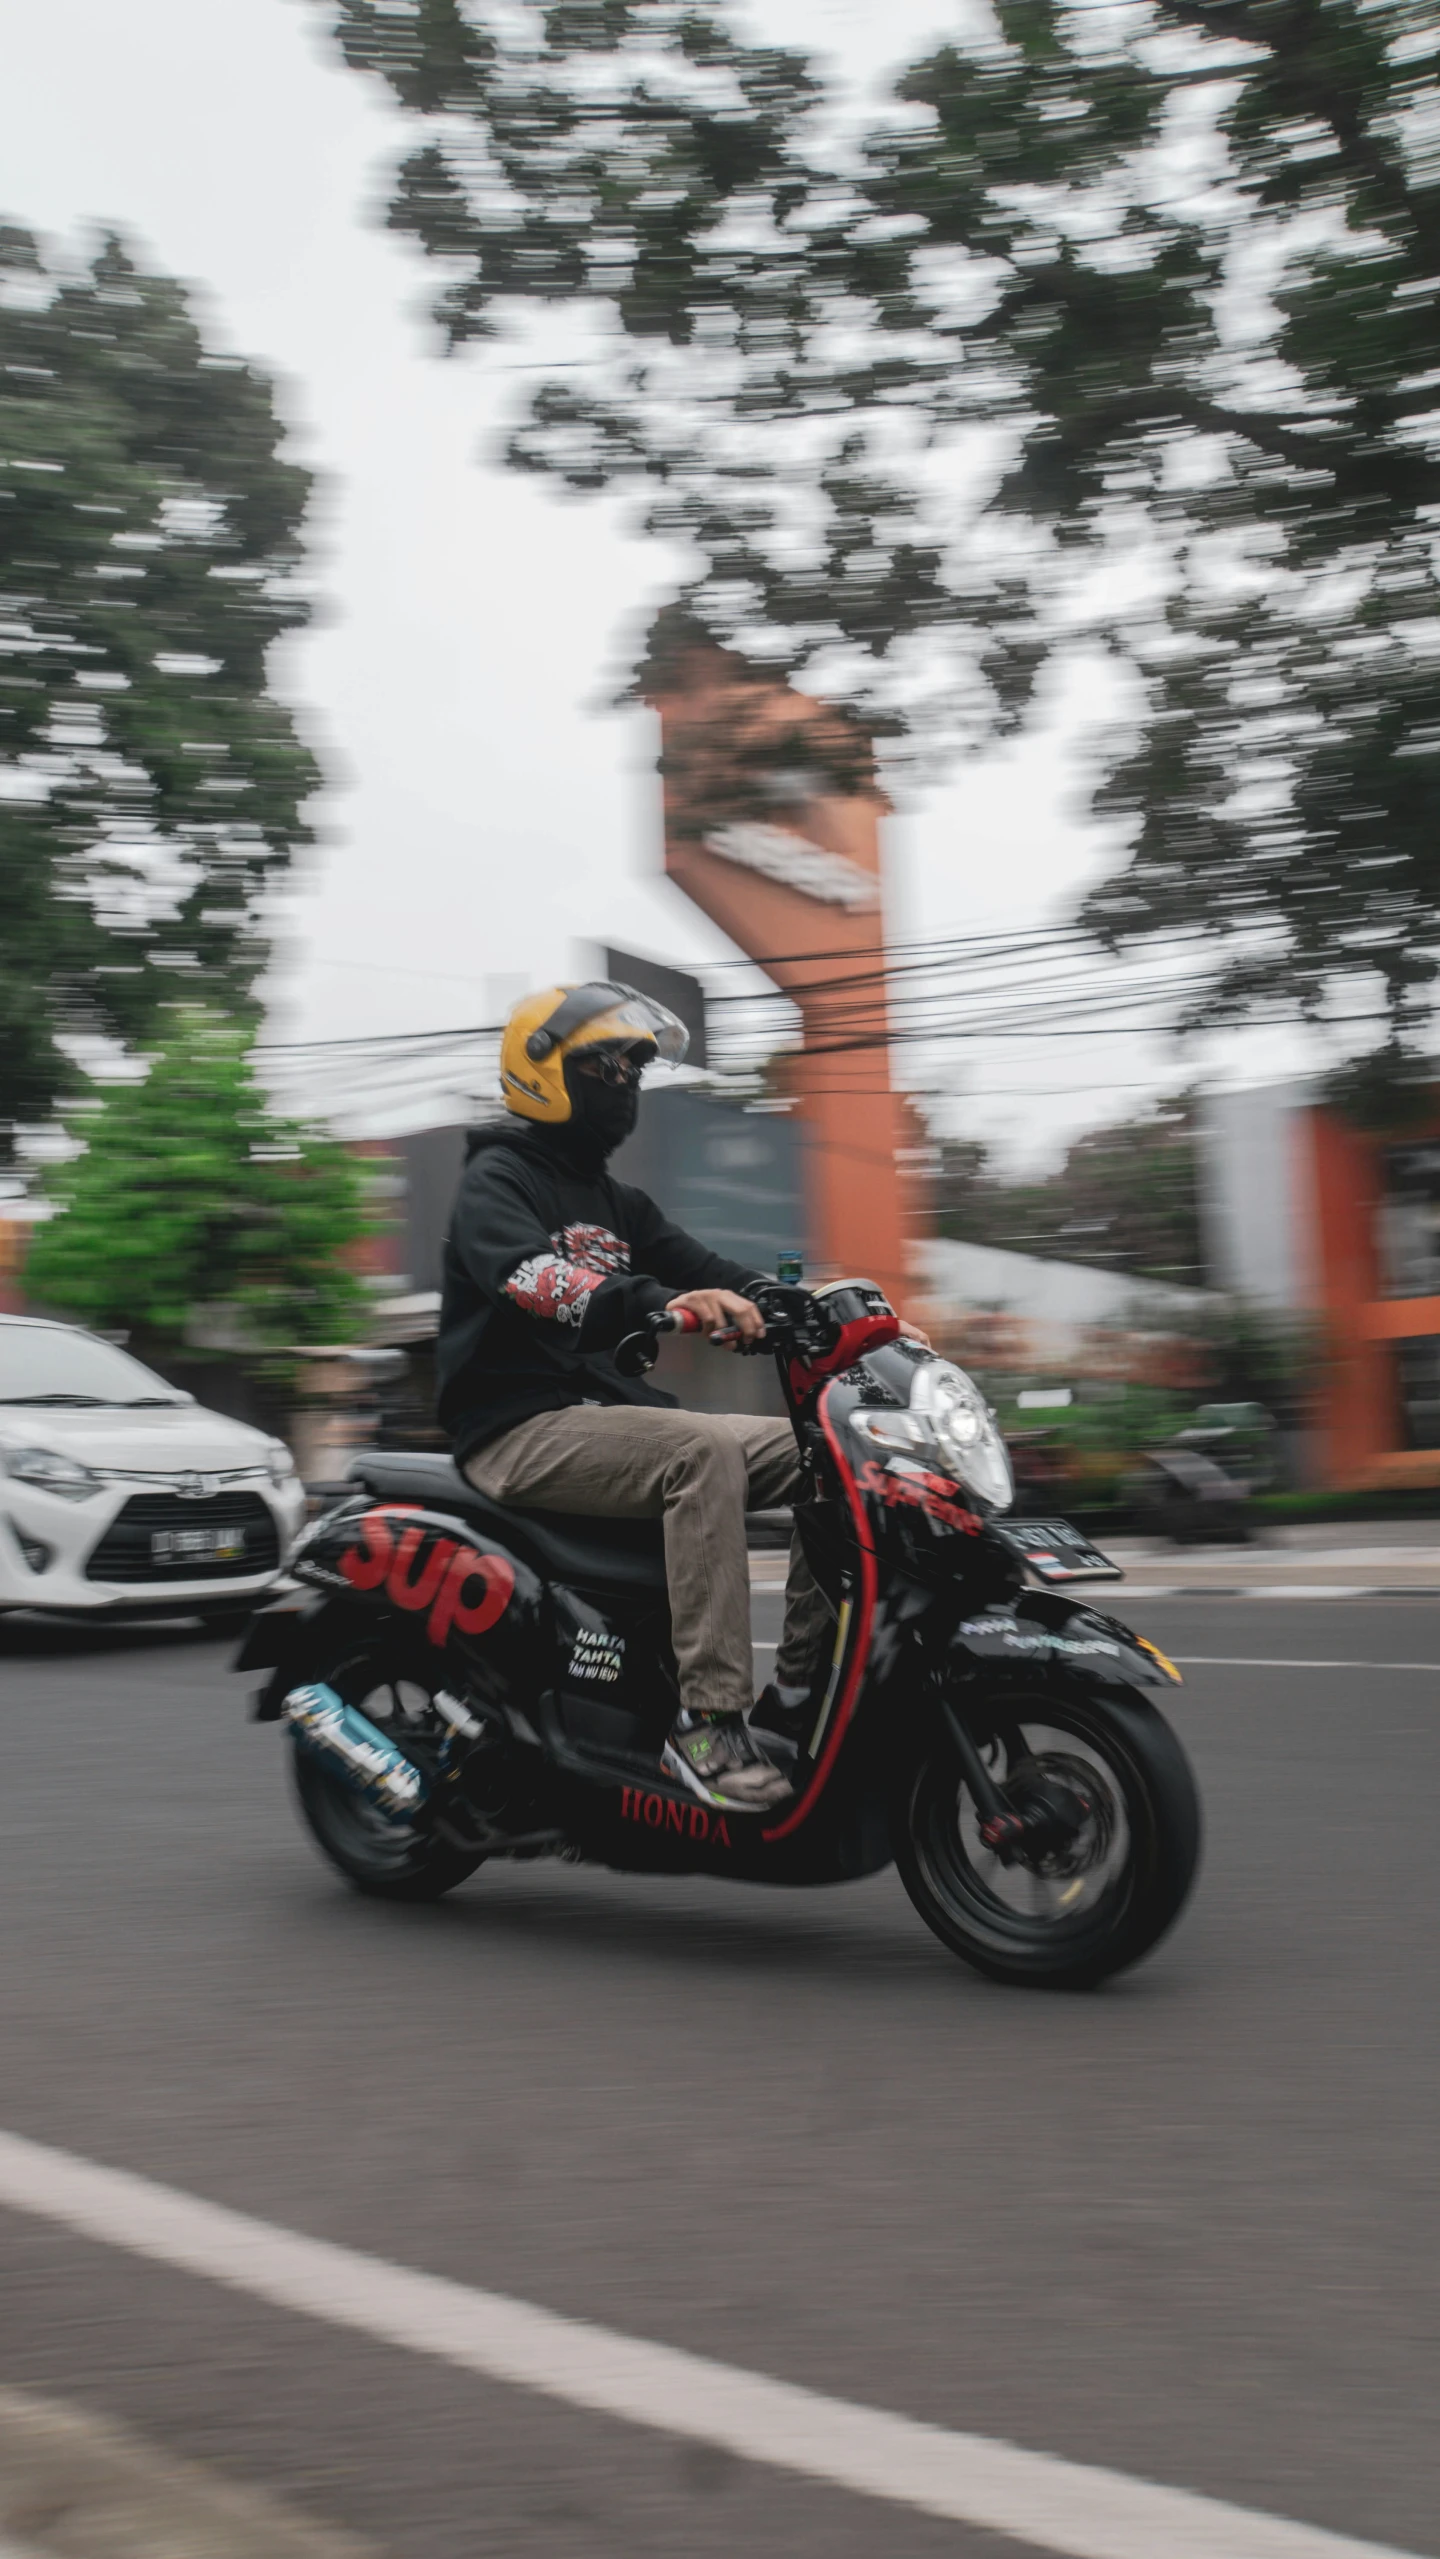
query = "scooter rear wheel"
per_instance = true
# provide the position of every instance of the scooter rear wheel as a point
(380, 1853)
(1068, 1917)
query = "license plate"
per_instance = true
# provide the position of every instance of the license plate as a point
(196, 1545)
(1056, 1552)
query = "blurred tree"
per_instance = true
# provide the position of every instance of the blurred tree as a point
(1125, 1198)
(1260, 1357)
(150, 784)
(194, 1215)
(1178, 259)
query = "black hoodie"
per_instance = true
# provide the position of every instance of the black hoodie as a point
(548, 1263)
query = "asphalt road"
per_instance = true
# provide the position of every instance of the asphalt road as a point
(1187, 2227)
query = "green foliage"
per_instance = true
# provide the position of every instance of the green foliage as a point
(194, 1213)
(1390, 1090)
(1180, 260)
(1285, 1509)
(1257, 1356)
(1124, 1199)
(1117, 1426)
(150, 785)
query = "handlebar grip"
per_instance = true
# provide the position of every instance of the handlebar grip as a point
(636, 1353)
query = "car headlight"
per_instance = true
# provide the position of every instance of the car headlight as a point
(280, 1463)
(964, 1431)
(50, 1472)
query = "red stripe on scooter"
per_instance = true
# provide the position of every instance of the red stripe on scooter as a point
(861, 1640)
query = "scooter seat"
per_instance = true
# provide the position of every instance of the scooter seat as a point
(563, 1546)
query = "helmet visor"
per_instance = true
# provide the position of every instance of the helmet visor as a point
(631, 1020)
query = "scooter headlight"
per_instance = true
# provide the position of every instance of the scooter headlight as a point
(964, 1431)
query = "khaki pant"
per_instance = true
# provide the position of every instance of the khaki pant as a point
(698, 1472)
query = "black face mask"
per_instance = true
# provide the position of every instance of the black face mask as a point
(602, 1115)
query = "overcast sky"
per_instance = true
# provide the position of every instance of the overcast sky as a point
(486, 812)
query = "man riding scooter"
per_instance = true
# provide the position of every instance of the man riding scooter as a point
(548, 1263)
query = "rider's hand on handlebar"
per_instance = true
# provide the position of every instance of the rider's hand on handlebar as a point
(721, 1311)
(912, 1333)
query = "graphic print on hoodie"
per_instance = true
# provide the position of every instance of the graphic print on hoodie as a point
(561, 1283)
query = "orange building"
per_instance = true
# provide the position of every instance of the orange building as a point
(15, 1234)
(1338, 1227)
(772, 826)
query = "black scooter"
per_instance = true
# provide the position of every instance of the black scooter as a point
(462, 1682)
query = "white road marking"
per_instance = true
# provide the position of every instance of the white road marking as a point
(1245, 1661)
(1136, 1592)
(1297, 1559)
(1268, 1590)
(1304, 1559)
(1318, 1590)
(1033, 2497)
(1273, 1661)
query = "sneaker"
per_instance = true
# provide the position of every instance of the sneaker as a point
(718, 1759)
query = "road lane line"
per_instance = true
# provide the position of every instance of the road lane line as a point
(1033, 2497)
(1273, 1661)
(1251, 1661)
(1135, 1592)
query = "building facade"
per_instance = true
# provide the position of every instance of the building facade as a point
(1337, 1229)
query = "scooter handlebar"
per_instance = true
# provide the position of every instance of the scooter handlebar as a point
(637, 1352)
(788, 1311)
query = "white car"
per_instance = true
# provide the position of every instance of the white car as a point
(118, 1492)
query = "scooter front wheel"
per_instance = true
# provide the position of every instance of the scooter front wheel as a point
(1081, 1895)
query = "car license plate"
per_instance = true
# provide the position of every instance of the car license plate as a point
(197, 1545)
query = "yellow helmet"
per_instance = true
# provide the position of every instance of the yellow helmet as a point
(547, 1029)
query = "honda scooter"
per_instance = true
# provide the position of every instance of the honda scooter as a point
(463, 1682)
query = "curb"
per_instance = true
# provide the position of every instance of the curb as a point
(75, 2486)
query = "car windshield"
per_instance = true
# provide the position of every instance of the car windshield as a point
(48, 1364)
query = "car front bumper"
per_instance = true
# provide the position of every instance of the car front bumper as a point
(53, 1552)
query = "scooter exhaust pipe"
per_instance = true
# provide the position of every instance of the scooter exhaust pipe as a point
(325, 1728)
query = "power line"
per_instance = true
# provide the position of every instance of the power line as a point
(890, 955)
(379, 1039)
(415, 1041)
(1054, 982)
